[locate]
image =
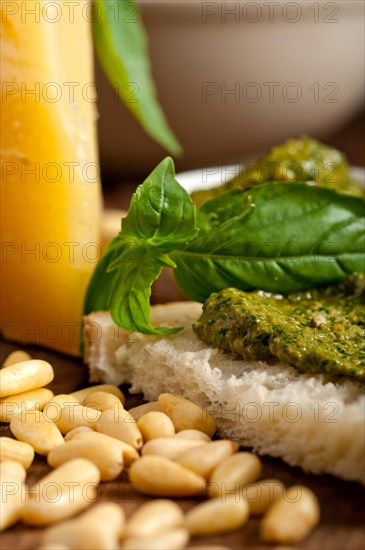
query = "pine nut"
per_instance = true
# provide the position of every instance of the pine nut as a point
(18, 451)
(52, 411)
(102, 401)
(172, 540)
(139, 411)
(234, 473)
(62, 493)
(81, 395)
(33, 428)
(12, 490)
(17, 356)
(185, 414)
(158, 476)
(25, 376)
(262, 494)
(99, 528)
(193, 434)
(291, 517)
(12, 471)
(73, 433)
(129, 453)
(204, 459)
(121, 425)
(106, 455)
(73, 415)
(169, 447)
(155, 424)
(153, 519)
(14, 404)
(217, 516)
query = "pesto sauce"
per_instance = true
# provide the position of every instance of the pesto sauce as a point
(319, 331)
(300, 160)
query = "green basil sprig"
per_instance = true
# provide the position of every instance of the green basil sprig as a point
(278, 237)
(121, 46)
(161, 218)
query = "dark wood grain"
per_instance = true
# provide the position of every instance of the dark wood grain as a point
(342, 503)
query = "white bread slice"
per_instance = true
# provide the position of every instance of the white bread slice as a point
(303, 419)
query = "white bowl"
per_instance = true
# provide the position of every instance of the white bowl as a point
(303, 60)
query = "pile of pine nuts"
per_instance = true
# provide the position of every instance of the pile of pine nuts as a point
(88, 436)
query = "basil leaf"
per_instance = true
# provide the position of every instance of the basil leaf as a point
(129, 300)
(121, 46)
(161, 212)
(97, 294)
(161, 218)
(277, 237)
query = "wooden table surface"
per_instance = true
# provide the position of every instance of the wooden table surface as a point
(342, 503)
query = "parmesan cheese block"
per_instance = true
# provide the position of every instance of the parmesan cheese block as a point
(50, 191)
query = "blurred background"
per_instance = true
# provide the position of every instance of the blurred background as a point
(235, 78)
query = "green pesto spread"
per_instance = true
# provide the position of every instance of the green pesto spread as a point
(320, 330)
(301, 159)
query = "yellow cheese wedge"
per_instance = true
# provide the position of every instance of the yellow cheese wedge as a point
(50, 189)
